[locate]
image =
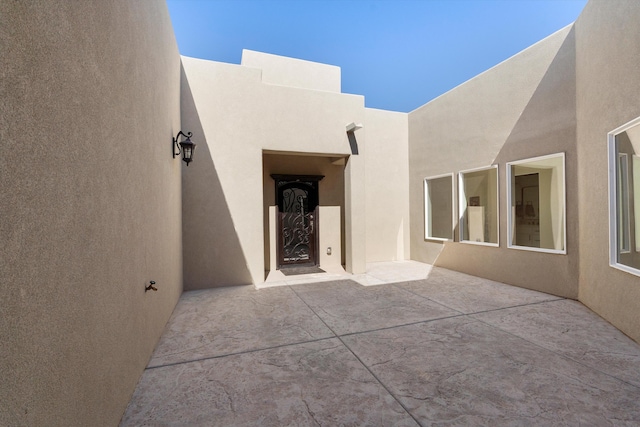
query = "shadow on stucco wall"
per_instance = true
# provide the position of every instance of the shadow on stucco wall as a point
(212, 255)
(547, 125)
(548, 122)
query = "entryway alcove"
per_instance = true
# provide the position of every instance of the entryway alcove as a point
(303, 210)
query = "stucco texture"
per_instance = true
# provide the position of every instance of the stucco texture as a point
(90, 208)
(240, 117)
(521, 108)
(94, 206)
(608, 96)
(387, 186)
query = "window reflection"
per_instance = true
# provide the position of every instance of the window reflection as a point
(625, 188)
(479, 206)
(527, 197)
(537, 198)
(438, 195)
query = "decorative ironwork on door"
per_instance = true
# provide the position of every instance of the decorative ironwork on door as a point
(297, 202)
(297, 227)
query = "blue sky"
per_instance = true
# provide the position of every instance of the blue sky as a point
(399, 54)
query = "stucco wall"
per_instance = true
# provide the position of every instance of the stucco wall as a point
(239, 116)
(608, 96)
(90, 208)
(283, 71)
(387, 185)
(521, 108)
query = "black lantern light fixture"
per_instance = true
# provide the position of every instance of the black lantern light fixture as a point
(186, 147)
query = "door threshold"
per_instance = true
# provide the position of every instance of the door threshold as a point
(295, 270)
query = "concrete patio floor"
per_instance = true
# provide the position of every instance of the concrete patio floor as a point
(419, 345)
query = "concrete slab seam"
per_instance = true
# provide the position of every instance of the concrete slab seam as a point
(362, 363)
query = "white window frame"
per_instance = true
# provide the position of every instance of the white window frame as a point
(626, 229)
(462, 205)
(427, 208)
(510, 218)
(613, 196)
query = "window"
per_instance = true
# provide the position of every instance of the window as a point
(478, 202)
(536, 197)
(438, 207)
(624, 197)
(622, 182)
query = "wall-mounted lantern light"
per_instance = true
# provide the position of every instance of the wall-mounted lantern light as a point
(187, 147)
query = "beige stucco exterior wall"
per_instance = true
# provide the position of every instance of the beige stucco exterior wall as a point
(283, 71)
(387, 185)
(238, 117)
(330, 237)
(93, 203)
(608, 96)
(521, 108)
(90, 208)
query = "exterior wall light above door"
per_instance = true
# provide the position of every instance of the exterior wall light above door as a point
(351, 135)
(352, 127)
(186, 147)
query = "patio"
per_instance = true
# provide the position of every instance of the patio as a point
(405, 344)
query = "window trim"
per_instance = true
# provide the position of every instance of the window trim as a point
(626, 208)
(426, 210)
(510, 200)
(613, 191)
(462, 204)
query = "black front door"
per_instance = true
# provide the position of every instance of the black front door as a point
(297, 200)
